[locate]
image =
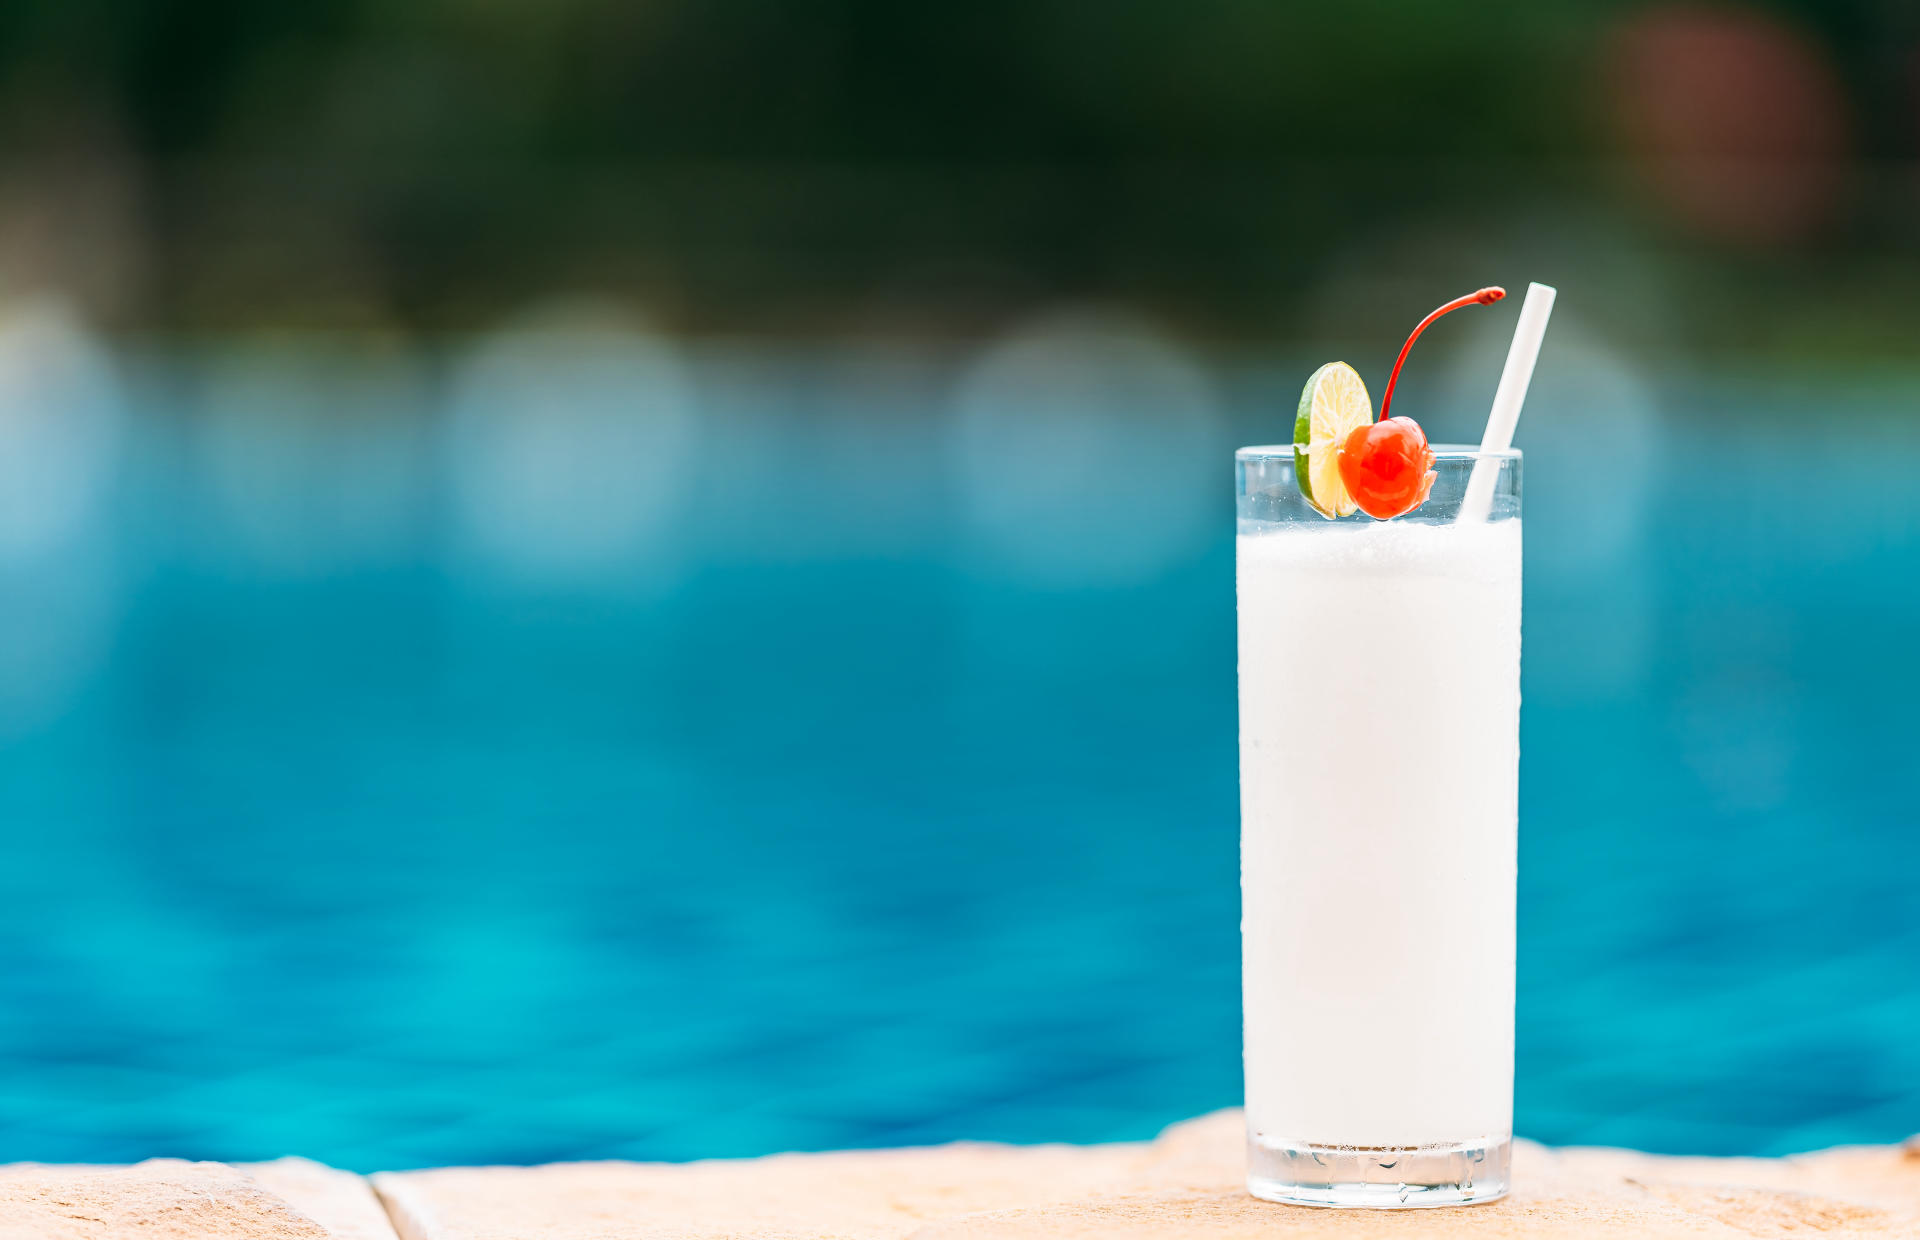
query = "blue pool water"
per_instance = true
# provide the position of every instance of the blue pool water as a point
(877, 784)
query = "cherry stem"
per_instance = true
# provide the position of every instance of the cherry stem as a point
(1485, 297)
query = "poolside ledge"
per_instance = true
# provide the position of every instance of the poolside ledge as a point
(1185, 1184)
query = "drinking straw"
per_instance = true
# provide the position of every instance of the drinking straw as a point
(1507, 399)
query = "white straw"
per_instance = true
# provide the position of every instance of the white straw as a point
(1507, 399)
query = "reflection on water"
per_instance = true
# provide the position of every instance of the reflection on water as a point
(304, 460)
(61, 460)
(568, 445)
(1085, 449)
(578, 743)
(60, 408)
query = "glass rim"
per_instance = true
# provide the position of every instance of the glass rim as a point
(1441, 452)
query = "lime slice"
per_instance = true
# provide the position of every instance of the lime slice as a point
(1332, 405)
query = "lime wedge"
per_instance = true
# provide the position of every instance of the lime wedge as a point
(1332, 405)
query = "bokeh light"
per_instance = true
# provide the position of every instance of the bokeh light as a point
(569, 444)
(1735, 120)
(1080, 444)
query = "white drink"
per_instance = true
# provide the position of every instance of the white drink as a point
(1379, 757)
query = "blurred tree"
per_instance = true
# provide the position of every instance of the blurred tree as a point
(434, 159)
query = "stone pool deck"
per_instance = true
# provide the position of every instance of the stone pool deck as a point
(1185, 1184)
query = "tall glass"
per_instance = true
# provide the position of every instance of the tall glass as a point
(1379, 782)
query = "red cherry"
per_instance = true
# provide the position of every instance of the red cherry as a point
(1387, 467)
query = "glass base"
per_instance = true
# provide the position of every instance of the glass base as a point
(1380, 1177)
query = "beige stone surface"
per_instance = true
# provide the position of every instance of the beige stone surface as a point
(166, 1199)
(1186, 1184)
(341, 1202)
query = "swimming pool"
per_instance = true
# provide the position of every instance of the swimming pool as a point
(849, 796)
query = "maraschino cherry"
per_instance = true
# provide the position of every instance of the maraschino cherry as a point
(1386, 465)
